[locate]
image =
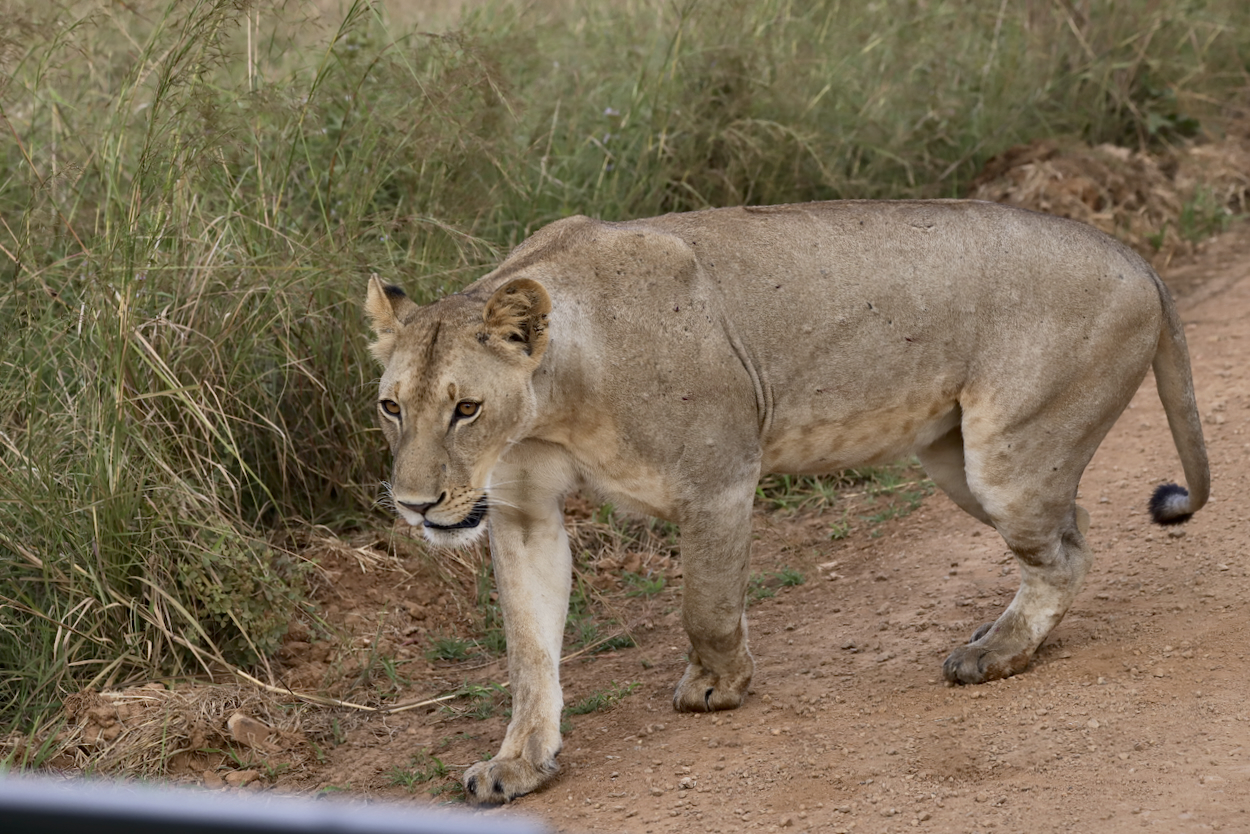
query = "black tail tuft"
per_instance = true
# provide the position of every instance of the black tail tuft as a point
(1170, 505)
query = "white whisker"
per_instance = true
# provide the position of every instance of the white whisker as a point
(495, 484)
(493, 501)
(387, 499)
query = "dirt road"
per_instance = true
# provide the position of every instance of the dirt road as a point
(1133, 715)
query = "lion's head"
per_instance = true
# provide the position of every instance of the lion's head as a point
(456, 389)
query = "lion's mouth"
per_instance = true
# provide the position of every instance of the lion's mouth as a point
(473, 519)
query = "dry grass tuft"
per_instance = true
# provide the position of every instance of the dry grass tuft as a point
(154, 731)
(1161, 203)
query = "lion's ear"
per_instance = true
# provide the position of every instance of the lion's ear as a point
(516, 318)
(387, 307)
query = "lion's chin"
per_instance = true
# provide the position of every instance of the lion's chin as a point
(462, 537)
(460, 534)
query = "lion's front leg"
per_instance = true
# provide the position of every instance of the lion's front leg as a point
(533, 571)
(715, 555)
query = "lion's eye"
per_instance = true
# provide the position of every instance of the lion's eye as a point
(466, 409)
(390, 407)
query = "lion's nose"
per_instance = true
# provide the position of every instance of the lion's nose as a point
(421, 508)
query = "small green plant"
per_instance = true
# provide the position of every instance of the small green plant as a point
(1202, 216)
(389, 667)
(583, 630)
(1156, 239)
(31, 752)
(453, 790)
(478, 701)
(905, 505)
(273, 771)
(451, 649)
(638, 585)
(792, 493)
(243, 592)
(764, 586)
(605, 514)
(241, 762)
(493, 640)
(887, 513)
(1162, 117)
(758, 592)
(758, 589)
(602, 699)
(332, 789)
(615, 642)
(421, 768)
(383, 669)
(790, 577)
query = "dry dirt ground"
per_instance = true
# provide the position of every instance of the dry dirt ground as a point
(1133, 714)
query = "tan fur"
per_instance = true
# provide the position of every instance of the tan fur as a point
(668, 363)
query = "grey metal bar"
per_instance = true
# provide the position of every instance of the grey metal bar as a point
(30, 805)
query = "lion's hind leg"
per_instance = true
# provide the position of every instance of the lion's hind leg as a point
(1028, 496)
(943, 461)
(1051, 575)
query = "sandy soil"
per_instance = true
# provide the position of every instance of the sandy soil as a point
(1132, 715)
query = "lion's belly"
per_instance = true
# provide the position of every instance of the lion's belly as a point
(813, 445)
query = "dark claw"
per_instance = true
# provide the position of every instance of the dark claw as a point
(472, 785)
(707, 699)
(981, 632)
(499, 788)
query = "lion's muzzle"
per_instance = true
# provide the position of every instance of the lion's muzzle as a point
(473, 519)
(439, 523)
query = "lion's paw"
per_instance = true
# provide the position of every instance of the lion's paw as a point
(702, 691)
(503, 780)
(980, 663)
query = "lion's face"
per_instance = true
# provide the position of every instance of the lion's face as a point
(456, 389)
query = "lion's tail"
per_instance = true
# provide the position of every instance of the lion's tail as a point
(1172, 503)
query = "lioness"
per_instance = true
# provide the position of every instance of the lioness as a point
(669, 363)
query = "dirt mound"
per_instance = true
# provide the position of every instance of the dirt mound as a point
(219, 735)
(1162, 204)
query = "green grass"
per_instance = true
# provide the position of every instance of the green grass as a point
(1203, 216)
(764, 586)
(602, 699)
(490, 639)
(911, 501)
(192, 196)
(451, 649)
(584, 626)
(478, 701)
(330, 790)
(422, 767)
(793, 493)
(876, 494)
(638, 585)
